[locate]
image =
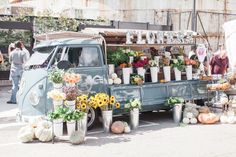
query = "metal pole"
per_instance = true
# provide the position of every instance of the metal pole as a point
(194, 16)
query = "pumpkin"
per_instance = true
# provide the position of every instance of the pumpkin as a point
(208, 118)
(186, 120)
(110, 81)
(204, 109)
(26, 134)
(34, 121)
(193, 120)
(127, 128)
(77, 137)
(117, 127)
(44, 131)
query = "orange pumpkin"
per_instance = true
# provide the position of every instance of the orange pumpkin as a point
(208, 118)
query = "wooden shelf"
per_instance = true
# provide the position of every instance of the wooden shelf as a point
(147, 45)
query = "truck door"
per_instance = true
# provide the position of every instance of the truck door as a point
(88, 61)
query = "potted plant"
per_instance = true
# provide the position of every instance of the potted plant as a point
(106, 103)
(57, 97)
(177, 104)
(117, 57)
(136, 79)
(189, 68)
(81, 119)
(71, 78)
(166, 68)
(126, 71)
(154, 70)
(133, 106)
(56, 77)
(179, 66)
(70, 122)
(57, 117)
(140, 65)
(71, 94)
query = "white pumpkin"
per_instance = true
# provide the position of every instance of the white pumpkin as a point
(223, 119)
(117, 81)
(44, 131)
(26, 134)
(186, 120)
(193, 120)
(34, 121)
(189, 115)
(114, 76)
(110, 81)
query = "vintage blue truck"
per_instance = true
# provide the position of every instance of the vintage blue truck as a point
(92, 65)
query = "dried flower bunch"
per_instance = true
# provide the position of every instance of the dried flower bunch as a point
(71, 92)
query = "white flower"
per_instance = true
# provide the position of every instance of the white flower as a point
(117, 81)
(167, 54)
(127, 105)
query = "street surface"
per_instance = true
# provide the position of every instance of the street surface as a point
(157, 136)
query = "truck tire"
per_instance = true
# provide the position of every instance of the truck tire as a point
(92, 117)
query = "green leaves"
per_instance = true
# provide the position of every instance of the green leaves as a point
(117, 57)
(174, 100)
(56, 75)
(178, 63)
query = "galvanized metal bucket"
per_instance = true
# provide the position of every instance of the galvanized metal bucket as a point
(134, 118)
(82, 124)
(177, 112)
(107, 120)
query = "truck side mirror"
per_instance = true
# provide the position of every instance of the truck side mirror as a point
(65, 65)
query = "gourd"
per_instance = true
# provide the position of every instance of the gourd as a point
(26, 134)
(204, 109)
(110, 81)
(127, 128)
(118, 127)
(34, 121)
(77, 137)
(186, 120)
(193, 120)
(114, 76)
(208, 118)
(117, 81)
(44, 131)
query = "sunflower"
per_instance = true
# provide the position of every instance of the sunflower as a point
(112, 101)
(83, 106)
(117, 105)
(78, 106)
(100, 103)
(95, 105)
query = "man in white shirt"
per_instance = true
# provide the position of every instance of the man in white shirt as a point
(25, 51)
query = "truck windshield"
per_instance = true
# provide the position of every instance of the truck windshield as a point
(39, 57)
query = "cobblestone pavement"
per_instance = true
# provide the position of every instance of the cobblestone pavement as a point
(157, 136)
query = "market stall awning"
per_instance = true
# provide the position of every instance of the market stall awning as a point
(64, 34)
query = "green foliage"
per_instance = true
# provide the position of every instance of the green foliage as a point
(6, 65)
(117, 57)
(174, 100)
(59, 112)
(179, 64)
(56, 75)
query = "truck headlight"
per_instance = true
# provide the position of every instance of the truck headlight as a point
(34, 98)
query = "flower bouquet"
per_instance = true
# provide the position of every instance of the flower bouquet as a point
(178, 65)
(136, 79)
(107, 104)
(140, 65)
(126, 71)
(177, 104)
(82, 103)
(57, 97)
(166, 68)
(71, 94)
(71, 78)
(133, 106)
(56, 77)
(154, 70)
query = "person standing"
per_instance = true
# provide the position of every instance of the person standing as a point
(25, 50)
(17, 59)
(219, 62)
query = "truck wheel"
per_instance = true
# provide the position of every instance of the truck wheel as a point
(92, 117)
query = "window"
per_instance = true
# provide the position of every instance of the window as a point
(83, 56)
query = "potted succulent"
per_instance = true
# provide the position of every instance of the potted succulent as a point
(56, 77)
(71, 94)
(106, 103)
(179, 66)
(71, 78)
(154, 70)
(57, 117)
(177, 104)
(57, 97)
(133, 106)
